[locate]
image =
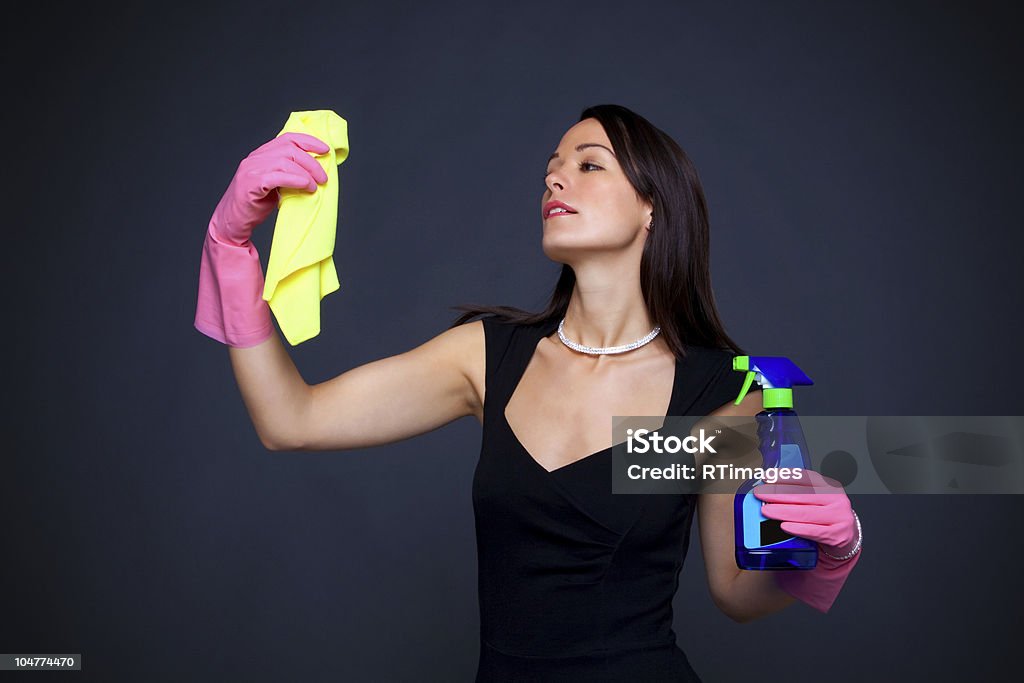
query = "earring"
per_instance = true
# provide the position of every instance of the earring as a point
(651, 224)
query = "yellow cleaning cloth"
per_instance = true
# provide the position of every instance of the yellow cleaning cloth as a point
(301, 268)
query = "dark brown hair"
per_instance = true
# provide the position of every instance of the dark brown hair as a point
(675, 272)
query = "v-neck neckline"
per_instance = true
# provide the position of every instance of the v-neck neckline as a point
(541, 334)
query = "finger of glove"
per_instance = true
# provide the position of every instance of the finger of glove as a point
(310, 164)
(259, 171)
(825, 534)
(306, 142)
(276, 179)
(808, 497)
(275, 158)
(805, 486)
(811, 514)
(806, 478)
(303, 141)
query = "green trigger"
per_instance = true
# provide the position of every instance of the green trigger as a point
(743, 363)
(746, 387)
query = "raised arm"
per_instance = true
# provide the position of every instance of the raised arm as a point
(380, 402)
(383, 401)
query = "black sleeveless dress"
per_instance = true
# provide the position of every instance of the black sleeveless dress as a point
(576, 583)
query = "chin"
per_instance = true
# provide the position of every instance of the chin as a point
(559, 249)
(565, 247)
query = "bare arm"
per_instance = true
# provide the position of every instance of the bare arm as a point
(272, 389)
(380, 402)
(740, 594)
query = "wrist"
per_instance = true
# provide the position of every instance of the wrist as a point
(221, 239)
(847, 551)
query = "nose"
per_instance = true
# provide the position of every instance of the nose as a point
(553, 181)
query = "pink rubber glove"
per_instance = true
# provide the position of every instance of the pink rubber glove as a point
(230, 306)
(817, 508)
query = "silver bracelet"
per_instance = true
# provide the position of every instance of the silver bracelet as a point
(856, 548)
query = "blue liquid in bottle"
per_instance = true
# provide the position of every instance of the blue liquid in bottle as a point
(760, 541)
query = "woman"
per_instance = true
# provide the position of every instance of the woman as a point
(575, 583)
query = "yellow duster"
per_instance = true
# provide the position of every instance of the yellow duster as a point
(301, 268)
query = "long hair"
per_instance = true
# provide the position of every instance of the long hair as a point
(675, 267)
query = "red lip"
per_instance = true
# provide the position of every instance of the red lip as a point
(555, 203)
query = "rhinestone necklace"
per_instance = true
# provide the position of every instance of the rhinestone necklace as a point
(594, 350)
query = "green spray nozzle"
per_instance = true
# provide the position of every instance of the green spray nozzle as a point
(776, 374)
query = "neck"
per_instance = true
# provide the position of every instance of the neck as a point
(606, 307)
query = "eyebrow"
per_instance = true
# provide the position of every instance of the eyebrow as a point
(583, 146)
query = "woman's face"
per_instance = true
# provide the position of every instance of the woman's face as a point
(610, 215)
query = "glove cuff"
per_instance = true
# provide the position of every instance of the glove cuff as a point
(230, 306)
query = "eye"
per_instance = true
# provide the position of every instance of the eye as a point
(582, 165)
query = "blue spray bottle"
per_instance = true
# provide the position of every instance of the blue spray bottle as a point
(760, 541)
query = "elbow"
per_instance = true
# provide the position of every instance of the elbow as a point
(277, 444)
(741, 618)
(746, 615)
(734, 612)
(738, 616)
(727, 609)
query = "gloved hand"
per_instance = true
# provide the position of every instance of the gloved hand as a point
(230, 306)
(816, 508)
(253, 195)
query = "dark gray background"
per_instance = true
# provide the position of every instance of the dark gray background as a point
(862, 165)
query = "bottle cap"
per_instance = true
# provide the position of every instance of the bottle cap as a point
(775, 374)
